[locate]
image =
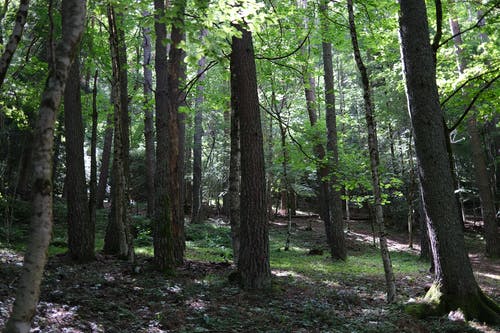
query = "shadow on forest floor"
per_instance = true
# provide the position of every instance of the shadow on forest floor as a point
(310, 293)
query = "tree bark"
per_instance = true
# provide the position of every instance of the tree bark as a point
(93, 158)
(80, 230)
(454, 283)
(148, 122)
(163, 241)
(15, 38)
(28, 290)
(118, 239)
(253, 264)
(338, 247)
(175, 130)
(374, 157)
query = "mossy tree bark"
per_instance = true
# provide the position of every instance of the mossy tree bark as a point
(454, 283)
(253, 264)
(28, 290)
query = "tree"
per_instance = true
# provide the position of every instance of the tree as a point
(163, 241)
(80, 230)
(253, 261)
(374, 157)
(118, 239)
(28, 290)
(454, 283)
(148, 121)
(105, 160)
(338, 247)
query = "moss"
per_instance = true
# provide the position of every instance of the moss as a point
(475, 306)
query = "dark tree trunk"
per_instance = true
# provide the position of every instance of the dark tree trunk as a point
(253, 264)
(197, 214)
(93, 157)
(118, 239)
(80, 231)
(374, 157)
(105, 161)
(337, 247)
(28, 290)
(148, 122)
(454, 286)
(162, 224)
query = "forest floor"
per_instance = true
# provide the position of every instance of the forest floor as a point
(310, 293)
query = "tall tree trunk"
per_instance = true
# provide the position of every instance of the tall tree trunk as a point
(15, 38)
(454, 283)
(80, 231)
(374, 157)
(197, 214)
(118, 239)
(163, 241)
(148, 122)
(338, 247)
(479, 160)
(253, 264)
(174, 130)
(28, 290)
(105, 160)
(93, 157)
(322, 169)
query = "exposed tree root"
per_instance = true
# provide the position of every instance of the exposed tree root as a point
(474, 306)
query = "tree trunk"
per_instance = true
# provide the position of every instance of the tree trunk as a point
(105, 160)
(28, 290)
(162, 224)
(197, 215)
(175, 135)
(93, 158)
(338, 247)
(148, 122)
(374, 157)
(15, 37)
(479, 160)
(118, 239)
(454, 285)
(253, 264)
(80, 231)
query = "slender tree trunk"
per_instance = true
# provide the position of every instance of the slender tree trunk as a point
(118, 239)
(479, 159)
(234, 183)
(148, 122)
(80, 231)
(374, 158)
(454, 285)
(197, 215)
(253, 264)
(15, 38)
(93, 157)
(162, 224)
(28, 290)
(105, 161)
(338, 247)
